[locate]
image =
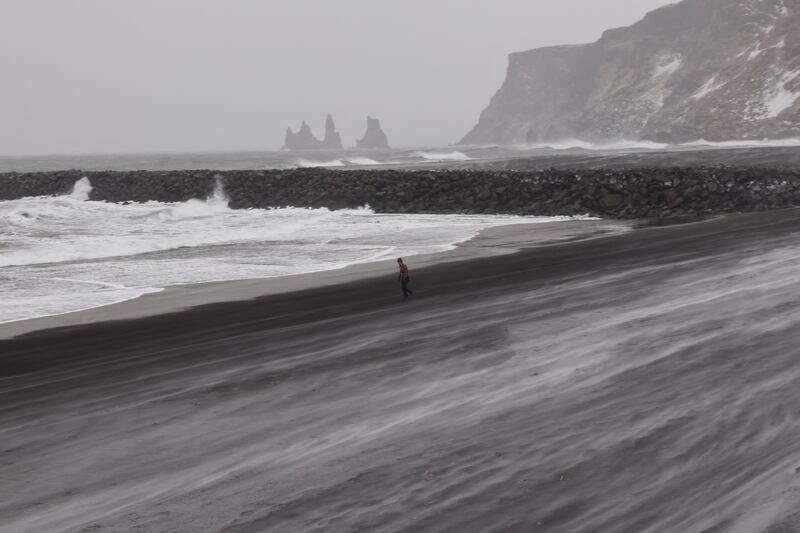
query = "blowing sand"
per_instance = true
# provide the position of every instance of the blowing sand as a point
(640, 382)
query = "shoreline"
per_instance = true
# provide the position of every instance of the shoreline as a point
(490, 242)
(276, 413)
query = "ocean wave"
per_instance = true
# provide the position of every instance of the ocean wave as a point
(343, 162)
(81, 190)
(442, 156)
(306, 163)
(766, 143)
(365, 161)
(42, 230)
(215, 204)
(577, 144)
(62, 254)
(50, 230)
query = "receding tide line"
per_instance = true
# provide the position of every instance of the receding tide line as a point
(100, 283)
(138, 294)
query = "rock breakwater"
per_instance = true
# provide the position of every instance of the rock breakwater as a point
(617, 193)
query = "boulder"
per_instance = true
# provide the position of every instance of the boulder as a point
(374, 137)
(612, 200)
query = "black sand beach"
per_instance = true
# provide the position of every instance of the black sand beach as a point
(639, 382)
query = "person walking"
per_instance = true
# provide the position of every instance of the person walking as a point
(404, 278)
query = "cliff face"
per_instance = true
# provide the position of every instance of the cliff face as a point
(698, 69)
(374, 137)
(304, 139)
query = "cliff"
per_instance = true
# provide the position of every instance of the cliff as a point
(698, 69)
(304, 139)
(374, 137)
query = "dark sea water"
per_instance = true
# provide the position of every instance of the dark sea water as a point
(567, 153)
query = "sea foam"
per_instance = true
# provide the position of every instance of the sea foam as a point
(67, 253)
(343, 162)
(442, 156)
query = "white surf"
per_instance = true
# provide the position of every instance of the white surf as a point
(63, 254)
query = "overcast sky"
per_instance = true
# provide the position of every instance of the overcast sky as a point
(108, 76)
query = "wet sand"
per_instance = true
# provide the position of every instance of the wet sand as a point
(640, 382)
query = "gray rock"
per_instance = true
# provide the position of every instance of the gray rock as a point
(332, 138)
(612, 200)
(374, 137)
(696, 69)
(304, 139)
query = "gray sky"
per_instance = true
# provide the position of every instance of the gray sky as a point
(100, 76)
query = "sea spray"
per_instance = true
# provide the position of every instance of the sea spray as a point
(442, 156)
(354, 161)
(306, 163)
(218, 195)
(62, 254)
(82, 190)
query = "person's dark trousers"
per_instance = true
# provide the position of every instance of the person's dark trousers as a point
(404, 285)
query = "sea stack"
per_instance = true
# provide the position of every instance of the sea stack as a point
(374, 136)
(304, 139)
(332, 139)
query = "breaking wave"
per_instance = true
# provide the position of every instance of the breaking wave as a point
(345, 162)
(442, 156)
(767, 143)
(306, 163)
(81, 190)
(67, 253)
(70, 228)
(577, 144)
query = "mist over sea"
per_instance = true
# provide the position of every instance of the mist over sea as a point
(425, 157)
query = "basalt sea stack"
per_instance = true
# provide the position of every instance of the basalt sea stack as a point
(304, 139)
(332, 138)
(374, 137)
